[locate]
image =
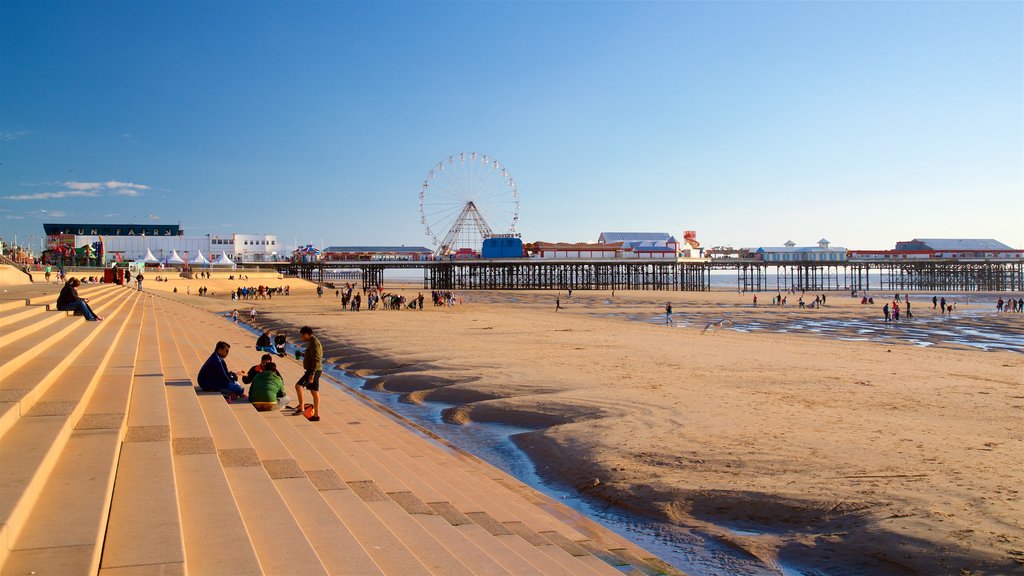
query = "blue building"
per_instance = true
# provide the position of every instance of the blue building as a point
(502, 246)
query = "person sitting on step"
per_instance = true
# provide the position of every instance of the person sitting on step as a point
(70, 301)
(267, 390)
(263, 343)
(214, 376)
(255, 370)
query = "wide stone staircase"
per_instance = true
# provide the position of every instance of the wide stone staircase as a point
(112, 462)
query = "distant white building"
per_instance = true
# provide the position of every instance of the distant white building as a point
(247, 247)
(131, 242)
(790, 252)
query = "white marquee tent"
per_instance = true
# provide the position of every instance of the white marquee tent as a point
(223, 260)
(175, 259)
(150, 259)
(200, 259)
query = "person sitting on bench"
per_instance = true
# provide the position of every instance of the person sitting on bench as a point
(214, 376)
(70, 301)
(267, 390)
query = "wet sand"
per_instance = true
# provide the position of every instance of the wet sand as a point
(848, 457)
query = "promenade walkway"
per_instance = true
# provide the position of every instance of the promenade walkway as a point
(111, 462)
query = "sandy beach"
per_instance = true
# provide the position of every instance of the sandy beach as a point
(804, 450)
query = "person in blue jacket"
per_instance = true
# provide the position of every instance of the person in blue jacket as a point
(214, 376)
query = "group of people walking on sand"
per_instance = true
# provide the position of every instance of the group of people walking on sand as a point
(266, 384)
(260, 292)
(1010, 305)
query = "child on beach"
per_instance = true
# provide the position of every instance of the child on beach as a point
(234, 315)
(668, 313)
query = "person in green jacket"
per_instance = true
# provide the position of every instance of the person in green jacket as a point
(267, 390)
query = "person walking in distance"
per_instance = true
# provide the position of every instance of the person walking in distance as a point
(138, 282)
(312, 361)
(558, 303)
(885, 311)
(668, 313)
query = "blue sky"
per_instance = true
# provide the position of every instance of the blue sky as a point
(752, 123)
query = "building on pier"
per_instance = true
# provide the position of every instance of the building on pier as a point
(378, 253)
(790, 252)
(943, 248)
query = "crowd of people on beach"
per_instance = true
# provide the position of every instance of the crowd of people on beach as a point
(377, 299)
(781, 300)
(260, 292)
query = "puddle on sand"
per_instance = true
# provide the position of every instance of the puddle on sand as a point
(923, 331)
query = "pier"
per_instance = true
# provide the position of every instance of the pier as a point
(680, 275)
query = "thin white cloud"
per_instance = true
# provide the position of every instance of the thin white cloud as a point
(56, 214)
(111, 215)
(114, 184)
(76, 189)
(53, 195)
(84, 185)
(152, 217)
(13, 217)
(11, 136)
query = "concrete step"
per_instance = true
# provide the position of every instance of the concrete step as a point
(47, 451)
(50, 330)
(11, 312)
(145, 499)
(270, 525)
(482, 485)
(454, 544)
(497, 499)
(333, 541)
(72, 355)
(209, 515)
(433, 489)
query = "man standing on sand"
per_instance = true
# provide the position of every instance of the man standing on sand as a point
(138, 282)
(668, 313)
(885, 311)
(312, 361)
(558, 303)
(46, 273)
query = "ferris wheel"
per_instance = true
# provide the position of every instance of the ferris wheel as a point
(465, 198)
